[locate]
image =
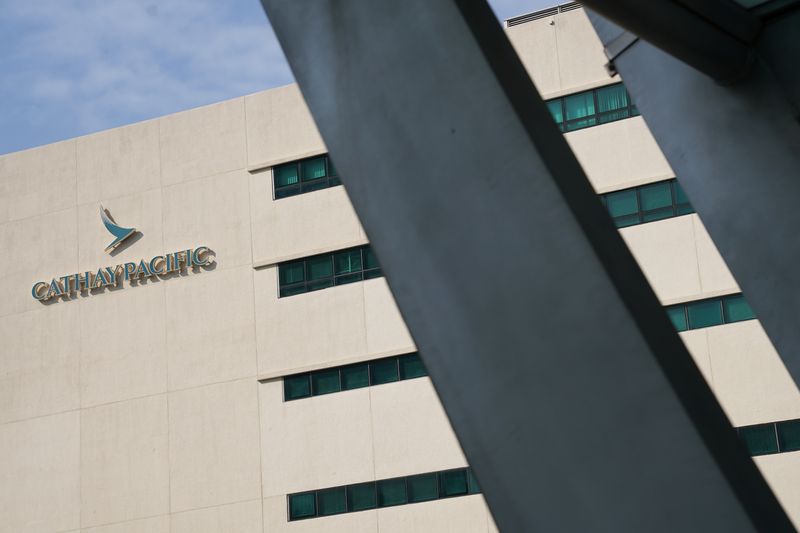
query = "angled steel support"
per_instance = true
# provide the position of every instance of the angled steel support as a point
(572, 396)
(713, 36)
(736, 152)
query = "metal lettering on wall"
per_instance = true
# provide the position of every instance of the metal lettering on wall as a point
(160, 265)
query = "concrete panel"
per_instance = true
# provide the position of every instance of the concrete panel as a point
(202, 142)
(276, 521)
(750, 379)
(411, 431)
(316, 327)
(696, 342)
(142, 211)
(210, 327)
(214, 445)
(315, 442)
(666, 253)
(244, 517)
(386, 330)
(581, 58)
(467, 514)
(123, 351)
(124, 461)
(37, 181)
(40, 363)
(300, 225)
(35, 249)
(714, 274)
(157, 524)
(118, 162)
(782, 472)
(535, 43)
(213, 212)
(39, 466)
(619, 154)
(279, 127)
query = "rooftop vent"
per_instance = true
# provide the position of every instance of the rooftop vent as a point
(544, 13)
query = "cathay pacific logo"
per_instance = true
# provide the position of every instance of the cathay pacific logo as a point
(117, 231)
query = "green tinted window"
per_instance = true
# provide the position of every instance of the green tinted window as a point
(623, 206)
(789, 435)
(370, 261)
(555, 109)
(383, 371)
(411, 366)
(474, 488)
(360, 497)
(683, 206)
(611, 98)
(737, 309)
(656, 201)
(331, 501)
(295, 387)
(453, 483)
(579, 105)
(292, 273)
(678, 316)
(423, 488)
(302, 506)
(759, 440)
(704, 314)
(391, 492)
(313, 168)
(349, 261)
(325, 382)
(355, 376)
(319, 267)
(286, 175)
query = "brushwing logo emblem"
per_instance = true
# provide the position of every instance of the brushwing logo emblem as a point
(117, 231)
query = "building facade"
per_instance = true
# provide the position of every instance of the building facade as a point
(237, 363)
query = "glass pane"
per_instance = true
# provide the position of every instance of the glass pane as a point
(611, 98)
(319, 267)
(331, 168)
(704, 314)
(580, 124)
(789, 435)
(285, 193)
(302, 506)
(370, 261)
(360, 497)
(759, 440)
(658, 214)
(655, 196)
(315, 186)
(622, 203)
(555, 109)
(391, 492)
(678, 316)
(681, 199)
(322, 284)
(384, 371)
(611, 116)
(737, 308)
(295, 387)
(285, 175)
(349, 261)
(313, 168)
(625, 221)
(291, 273)
(349, 278)
(474, 488)
(411, 366)
(355, 376)
(331, 501)
(291, 291)
(325, 381)
(454, 483)
(579, 105)
(423, 488)
(372, 274)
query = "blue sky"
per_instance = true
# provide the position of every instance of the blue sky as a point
(72, 67)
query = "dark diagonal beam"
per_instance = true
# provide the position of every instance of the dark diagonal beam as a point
(572, 396)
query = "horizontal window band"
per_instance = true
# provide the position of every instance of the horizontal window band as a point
(658, 200)
(382, 493)
(353, 376)
(771, 438)
(327, 270)
(710, 312)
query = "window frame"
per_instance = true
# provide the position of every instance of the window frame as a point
(330, 179)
